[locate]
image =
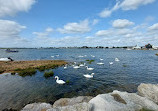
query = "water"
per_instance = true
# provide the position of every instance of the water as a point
(134, 67)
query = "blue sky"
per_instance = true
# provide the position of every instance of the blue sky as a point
(55, 23)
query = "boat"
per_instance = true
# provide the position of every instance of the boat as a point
(9, 50)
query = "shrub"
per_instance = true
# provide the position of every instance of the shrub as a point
(48, 74)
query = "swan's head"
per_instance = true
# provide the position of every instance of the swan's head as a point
(56, 77)
(92, 73)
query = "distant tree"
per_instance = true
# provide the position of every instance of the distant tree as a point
(148, 46)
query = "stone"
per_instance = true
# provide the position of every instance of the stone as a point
(71, 101)
(124, 102)
(77, 107)
(149, 90)
(37, 107)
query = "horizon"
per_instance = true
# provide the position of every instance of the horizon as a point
(52, 23)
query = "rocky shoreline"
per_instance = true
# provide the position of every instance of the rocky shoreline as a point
(146, 99)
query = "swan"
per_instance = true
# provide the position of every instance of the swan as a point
(6, 59)
(116, 59)
(110, 63)
(100, 63)
(59, 81)
(76, 67)
(65, 67)
(88, 76)
(89, 68)
(57, 55)
(101, 59)
(81, 65)
(80, 56)
(52, 56)
(92, 55)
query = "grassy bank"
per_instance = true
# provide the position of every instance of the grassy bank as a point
(24, 68)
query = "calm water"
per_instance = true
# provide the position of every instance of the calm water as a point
(16, 91)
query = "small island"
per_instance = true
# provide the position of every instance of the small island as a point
(29, 66)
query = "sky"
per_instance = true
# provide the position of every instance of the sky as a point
(65, 23)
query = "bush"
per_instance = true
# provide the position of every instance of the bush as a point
(48, 74)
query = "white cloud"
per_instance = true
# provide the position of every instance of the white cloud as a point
(81, 27)
(134, 4)
(107, 12)
(45, 33)
(154, 27)
(124, 5)
(10, 33)
(122, 23)
(11, 7)
(95, 21)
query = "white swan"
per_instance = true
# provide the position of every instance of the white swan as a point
(57, 55)
(6, 59)
(52, 56)
(81, 65)
(110, 63)
(76, 67)
(116, 59)
(59, 81)
(89, 68)
(100, 63)
(101, 59)
(92, 55)
(88, 76)
(65, 67)
(80, 56)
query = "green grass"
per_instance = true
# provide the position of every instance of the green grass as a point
(124, 65)
(49, 66)
(156, 54)
(143, 109)
(26, 72)
(48, 74)
(67, 81)
(90, 61)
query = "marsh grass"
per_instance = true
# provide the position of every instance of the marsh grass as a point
(144, 109)
(90, 61)
(48, 74)
(25, 72)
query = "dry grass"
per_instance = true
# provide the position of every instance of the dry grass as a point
(13, 66)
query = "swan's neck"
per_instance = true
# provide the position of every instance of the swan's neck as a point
(57, 78)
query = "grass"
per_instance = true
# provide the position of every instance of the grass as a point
(156, 54)
(67, 81)
(124, 65)
(90, 61)
(25, 72)
(48, 74)
(16, 66)
(144, 109)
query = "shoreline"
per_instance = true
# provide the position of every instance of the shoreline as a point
(14, 66)
(146, 99)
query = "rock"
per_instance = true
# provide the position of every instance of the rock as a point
(121, 101)
(71, 101)
(77, 107)
(37, 107)
(149, 90)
